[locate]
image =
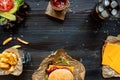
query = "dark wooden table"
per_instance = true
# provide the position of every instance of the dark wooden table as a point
(78, 34)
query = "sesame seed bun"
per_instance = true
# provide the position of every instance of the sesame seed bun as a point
(61, 74)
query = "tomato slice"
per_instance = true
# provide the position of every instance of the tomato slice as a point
(6, 5)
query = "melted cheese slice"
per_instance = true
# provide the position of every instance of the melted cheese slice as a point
(111, 56)
(60, 67)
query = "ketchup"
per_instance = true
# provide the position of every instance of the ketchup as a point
(59, 3)
(51, 69)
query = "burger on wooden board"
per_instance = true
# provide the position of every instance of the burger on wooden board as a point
(59, 66)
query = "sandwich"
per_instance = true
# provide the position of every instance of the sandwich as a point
(110, 57)
(59, 66)
(12, 12)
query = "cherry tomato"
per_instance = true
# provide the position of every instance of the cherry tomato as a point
(6, 5)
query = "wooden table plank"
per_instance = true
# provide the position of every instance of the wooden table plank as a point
(78, 34)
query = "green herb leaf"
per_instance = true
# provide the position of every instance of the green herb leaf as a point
(19, 2)
(63, 60)
(2, 19)
(59, 60)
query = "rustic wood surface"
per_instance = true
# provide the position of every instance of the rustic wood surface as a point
(78, 34)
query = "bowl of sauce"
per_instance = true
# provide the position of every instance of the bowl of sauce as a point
(59, 5)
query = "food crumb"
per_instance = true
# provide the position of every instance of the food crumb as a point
(81, 59)
(21, 36)
(83, 44)
(38, 4)
(86, 21)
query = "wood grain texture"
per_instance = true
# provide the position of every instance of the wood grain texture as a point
(78, 34)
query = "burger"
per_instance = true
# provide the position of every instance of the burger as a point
(12, 12)
(59, 66)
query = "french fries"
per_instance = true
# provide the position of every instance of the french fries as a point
(7, 40)
(16, 46)
(11, 58)
(4, 60)
(1, 55)
(4, 65)
(22, 41)
(8, 61)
